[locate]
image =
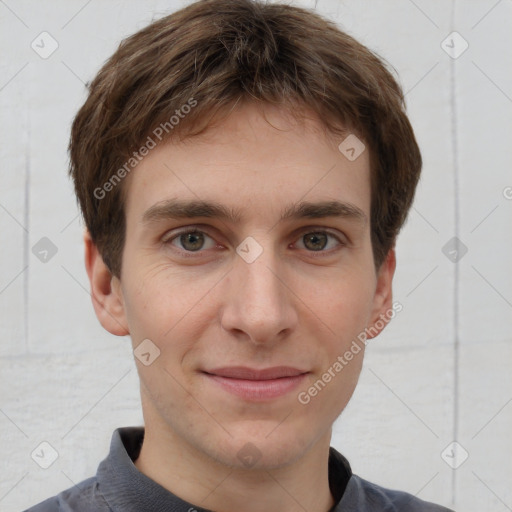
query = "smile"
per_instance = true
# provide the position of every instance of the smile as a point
(257, 385)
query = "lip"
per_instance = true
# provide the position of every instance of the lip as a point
(257, 384)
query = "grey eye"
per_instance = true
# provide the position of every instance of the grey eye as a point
(192, 241)
(315, 241)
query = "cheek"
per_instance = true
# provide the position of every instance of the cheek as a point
(346, 309)
(157, 295)
(169, 307)
(343, 302)
(328, 392)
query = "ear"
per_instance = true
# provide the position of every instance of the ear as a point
(106, 294)
(383, 298)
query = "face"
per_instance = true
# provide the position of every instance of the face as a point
(248, 265)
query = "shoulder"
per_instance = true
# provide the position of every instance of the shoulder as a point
(83, 497)
(361, 495)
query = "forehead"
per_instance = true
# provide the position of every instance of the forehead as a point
(255, 160)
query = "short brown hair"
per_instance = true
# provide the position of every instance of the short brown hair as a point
(214, 53)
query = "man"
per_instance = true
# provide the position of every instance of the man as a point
(243, 170)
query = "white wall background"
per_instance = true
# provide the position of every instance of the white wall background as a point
(441, 372)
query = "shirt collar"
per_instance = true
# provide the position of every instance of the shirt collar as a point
(126, 489)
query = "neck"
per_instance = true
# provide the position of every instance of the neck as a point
(200, 480)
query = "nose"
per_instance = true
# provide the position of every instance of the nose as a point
(259, 305)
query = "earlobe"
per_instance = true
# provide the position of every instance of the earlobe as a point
(383, 298)
(106, 292)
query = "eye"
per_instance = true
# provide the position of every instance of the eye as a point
(195, 241)
(191, 241)
(318, 241)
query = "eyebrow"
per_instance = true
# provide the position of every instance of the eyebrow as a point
(180, 209)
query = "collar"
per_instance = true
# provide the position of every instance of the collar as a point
(126, 489)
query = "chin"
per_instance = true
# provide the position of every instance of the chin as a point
(261, 448)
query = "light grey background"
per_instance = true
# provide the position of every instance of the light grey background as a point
(441, 372)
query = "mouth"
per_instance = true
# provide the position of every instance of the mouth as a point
(255, 384)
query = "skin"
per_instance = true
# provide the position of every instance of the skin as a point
(292, 306)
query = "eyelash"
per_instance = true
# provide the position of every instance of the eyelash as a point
(193, 230)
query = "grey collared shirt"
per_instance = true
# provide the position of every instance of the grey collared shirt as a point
(120, 487)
